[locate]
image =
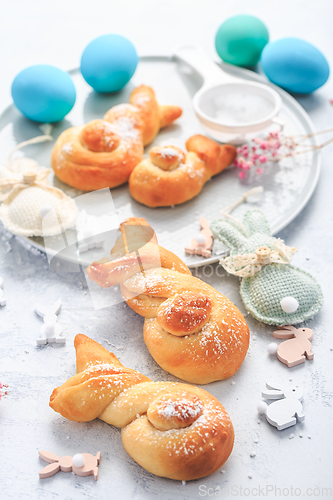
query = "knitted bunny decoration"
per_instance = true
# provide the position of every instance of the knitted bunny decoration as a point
(263, 263)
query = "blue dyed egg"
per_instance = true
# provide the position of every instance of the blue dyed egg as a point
(43, 93)
(295, 65)
(108, 63)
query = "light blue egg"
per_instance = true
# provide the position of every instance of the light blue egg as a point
(43, 93)
(108, 63)
(295, 65)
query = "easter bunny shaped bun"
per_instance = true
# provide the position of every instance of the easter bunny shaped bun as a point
(263, 263)
(282, 413)
(66, 464)
(293, 352)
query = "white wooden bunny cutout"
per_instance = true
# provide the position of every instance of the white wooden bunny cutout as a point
(82, 464)
(51, 330)
(293, 352)
(2, 297)
(283, 413)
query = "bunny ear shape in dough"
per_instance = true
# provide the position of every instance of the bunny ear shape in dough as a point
(255, 222)
(229, 233)
(89, 352)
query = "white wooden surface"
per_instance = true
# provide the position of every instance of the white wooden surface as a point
(55, 32)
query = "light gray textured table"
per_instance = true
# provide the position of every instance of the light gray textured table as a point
(55, 32)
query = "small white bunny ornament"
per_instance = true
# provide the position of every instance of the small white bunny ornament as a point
(2, 296)
(282, 413)
(51, 330)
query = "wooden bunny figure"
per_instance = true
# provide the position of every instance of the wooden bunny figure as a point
(283, 413)
(83, 464)
(202, 245)
(293, 352)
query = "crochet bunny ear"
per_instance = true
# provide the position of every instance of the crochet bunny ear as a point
(229, 233)
(262, 294)
(255, 222)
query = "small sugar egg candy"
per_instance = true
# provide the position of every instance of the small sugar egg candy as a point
(20, 212)
(295, 65)
(241, 39)
(108, 63)
(43, 93)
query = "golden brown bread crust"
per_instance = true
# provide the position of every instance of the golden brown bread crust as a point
(169, 177)
(154, 117)
(104, 152)
(184, 314)
(76, 162)
(172, 430)
(191, 330)
(215, 157)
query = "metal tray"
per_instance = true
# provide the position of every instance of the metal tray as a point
(287, 186)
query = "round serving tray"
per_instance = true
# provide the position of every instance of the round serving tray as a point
(288, 185)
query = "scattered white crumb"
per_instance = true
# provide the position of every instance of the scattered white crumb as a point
(301, 435)
(256, 440)
(291, 436)
(252, 454)
(309, 437)
(183, 483)
(250, 476)
(232, 382)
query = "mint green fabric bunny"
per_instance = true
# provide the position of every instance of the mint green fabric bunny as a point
(263, 263)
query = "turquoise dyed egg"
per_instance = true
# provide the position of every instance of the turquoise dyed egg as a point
(295, 65)
(108, 63)
(241, 39)
(43, 93)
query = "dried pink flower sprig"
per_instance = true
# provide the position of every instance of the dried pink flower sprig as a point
(274, 147)
(3, 391)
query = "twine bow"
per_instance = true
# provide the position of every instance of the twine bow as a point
(249, 264)
(22, 181)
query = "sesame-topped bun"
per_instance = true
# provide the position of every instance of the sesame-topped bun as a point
(172, 430)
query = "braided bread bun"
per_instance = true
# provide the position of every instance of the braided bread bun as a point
(170, 177)
(103, 153)
(190, 329)
(172, 430)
